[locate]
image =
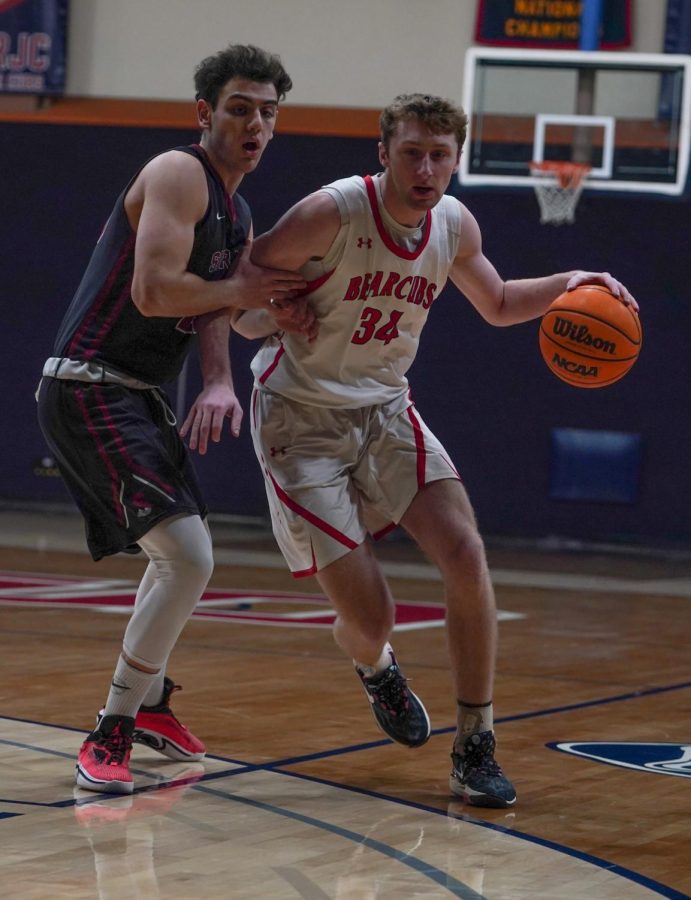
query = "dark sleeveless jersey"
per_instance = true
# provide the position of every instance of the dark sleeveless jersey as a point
(102, 323)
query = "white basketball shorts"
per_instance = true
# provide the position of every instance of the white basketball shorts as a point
(333, 475)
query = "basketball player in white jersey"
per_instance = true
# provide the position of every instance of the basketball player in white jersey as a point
(343, 449)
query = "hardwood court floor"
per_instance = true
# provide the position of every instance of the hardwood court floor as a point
(301, 795)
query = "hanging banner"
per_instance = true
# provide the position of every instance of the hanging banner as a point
(677, 40)
(678, 27)
(33, 46)
(549, 24)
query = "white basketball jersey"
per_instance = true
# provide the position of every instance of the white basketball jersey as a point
(372, 294)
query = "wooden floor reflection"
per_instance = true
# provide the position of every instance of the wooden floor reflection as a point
(300, 795)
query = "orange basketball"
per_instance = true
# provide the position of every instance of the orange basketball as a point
(589, 338)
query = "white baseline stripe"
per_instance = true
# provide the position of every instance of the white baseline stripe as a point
(664, 587)
(73, 588)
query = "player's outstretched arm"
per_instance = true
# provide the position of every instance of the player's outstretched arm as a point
(510, 302)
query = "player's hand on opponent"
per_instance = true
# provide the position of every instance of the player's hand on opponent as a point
(205, 419)
(255, 286)
(295, 316)
(609, 281)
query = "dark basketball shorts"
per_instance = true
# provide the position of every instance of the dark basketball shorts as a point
(121, 458)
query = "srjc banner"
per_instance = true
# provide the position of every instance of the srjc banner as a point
(33, 46)
(546, 24)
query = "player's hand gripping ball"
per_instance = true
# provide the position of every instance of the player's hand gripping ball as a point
(589, 338)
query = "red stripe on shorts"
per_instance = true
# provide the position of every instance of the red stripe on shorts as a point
(310, 517)
(117, 437)
(103, 453)
(419, 446)
(303, 573)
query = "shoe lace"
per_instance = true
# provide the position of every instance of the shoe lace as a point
(478, 754)
(117, 745)
(391, 692)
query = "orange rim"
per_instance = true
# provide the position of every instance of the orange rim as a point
(570, 174)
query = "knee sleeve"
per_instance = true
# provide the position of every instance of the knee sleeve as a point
(181, 563)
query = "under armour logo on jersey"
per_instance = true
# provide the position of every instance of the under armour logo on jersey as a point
(278, 451)
(220, 261)
(364, 242)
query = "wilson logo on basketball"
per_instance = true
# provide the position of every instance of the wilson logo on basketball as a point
(589, 338)
(580, 334)
(573, 367)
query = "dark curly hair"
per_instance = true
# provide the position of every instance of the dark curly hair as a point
(439, 115)
(239, 61)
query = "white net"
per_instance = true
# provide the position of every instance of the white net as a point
(558, 186)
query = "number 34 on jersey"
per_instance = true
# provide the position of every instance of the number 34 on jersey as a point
(415, 289)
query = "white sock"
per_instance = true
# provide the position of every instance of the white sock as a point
(155, 693)
(128, 688)
(384, 661)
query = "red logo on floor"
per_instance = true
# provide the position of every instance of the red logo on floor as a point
(283, 608)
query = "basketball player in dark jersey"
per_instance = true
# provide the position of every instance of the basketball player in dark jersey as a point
(176, 247)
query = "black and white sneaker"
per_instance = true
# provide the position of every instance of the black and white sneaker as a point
(477, 777)
(398, 712)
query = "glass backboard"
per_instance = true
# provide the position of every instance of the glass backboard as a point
(626, 115)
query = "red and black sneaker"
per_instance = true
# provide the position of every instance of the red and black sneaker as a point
(103, 762)
(157, 727)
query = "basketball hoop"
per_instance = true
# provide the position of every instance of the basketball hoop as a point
(558, 186)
